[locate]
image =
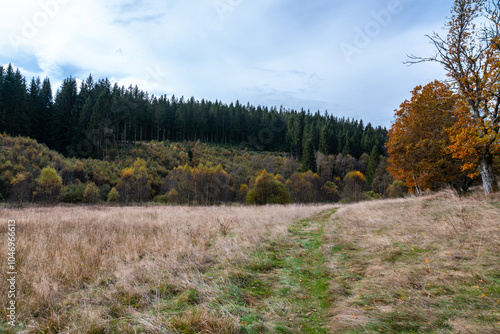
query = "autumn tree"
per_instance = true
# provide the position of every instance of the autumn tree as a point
(135, 183)
(49, 185)
(21, 187)
(113, 196)
(470, 54)
(354, 184)
(303, 187)
(268, 190)
(91, 194)
(418, 140)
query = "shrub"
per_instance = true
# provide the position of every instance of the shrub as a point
(242, 193)
(163, 199)
(73, 193)
(304, 187)
(395, 190)
(91, 194)
(49, 185)
(267, 190)
(173, 196)
(135, 183)
(331, 191)
(104, 191)
(113, 196)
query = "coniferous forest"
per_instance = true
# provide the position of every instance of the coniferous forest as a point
(104, 123)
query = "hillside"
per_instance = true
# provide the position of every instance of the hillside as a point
(174, 172)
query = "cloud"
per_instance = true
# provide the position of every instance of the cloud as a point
(272, 52)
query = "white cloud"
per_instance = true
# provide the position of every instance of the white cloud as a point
(272, 52)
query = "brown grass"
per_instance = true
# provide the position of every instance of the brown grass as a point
(418, 265)
(102, 269)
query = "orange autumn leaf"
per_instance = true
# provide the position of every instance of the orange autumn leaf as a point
(418, 140)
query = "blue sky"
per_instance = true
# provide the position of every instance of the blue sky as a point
(344, 57)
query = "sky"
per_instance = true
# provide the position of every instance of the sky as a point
(344, 57)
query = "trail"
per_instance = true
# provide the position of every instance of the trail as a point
(291, 281)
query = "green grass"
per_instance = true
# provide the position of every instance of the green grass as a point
(285, 286)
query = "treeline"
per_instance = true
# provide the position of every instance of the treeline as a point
(101, 120)
(187, 173)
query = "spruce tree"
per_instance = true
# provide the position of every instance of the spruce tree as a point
(309, 158)
(65, 120)
(372, 164)
(16, 118)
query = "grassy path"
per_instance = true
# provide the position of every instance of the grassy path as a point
(285, 288)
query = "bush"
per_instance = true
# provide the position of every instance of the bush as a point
(113, 196)
(104, 191)
(163, 199)
(267, 190)
(331, 191)
(395, 190)
(173, 196)
(91, 194)
(373, 195)
(49, 185)
(73, 193)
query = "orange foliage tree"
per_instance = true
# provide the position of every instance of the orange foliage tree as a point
(418, 140)
(471, 56)
(354, 184)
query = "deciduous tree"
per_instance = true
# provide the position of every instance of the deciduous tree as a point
(354, 184)
(49, 185)
(418, 140)
(470, 54)
(267, 190)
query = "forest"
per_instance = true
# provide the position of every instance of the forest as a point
(97, 119)
(104, 143)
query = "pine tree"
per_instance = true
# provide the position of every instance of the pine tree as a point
(65, 119)
(326, 141)
(2, 129)
(372, 165)
(309, 158)
(16, 118)
(45, 116)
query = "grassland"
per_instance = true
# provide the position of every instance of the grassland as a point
(428, 264)
(136, 269)
(421, 265)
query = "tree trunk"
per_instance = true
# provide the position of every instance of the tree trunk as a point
(486, 169)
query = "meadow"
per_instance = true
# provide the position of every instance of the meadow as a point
(420, 264)
(114, 269)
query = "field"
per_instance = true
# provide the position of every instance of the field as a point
(427, 264)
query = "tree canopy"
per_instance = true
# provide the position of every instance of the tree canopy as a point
(418, 144)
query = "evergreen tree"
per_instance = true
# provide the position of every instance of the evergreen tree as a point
(16, 118)
(325, 140)
(372, 165)
(2, 113)
(65, 119)
(309, 158)
(44, 114)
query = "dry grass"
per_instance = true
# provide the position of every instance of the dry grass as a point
(101, 269)
(429, 264)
